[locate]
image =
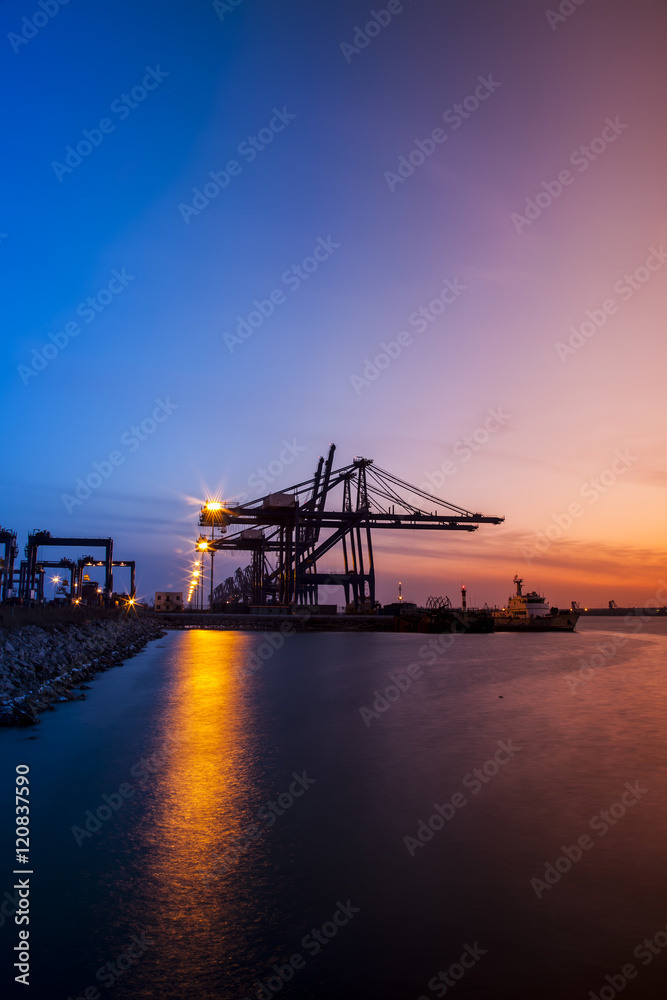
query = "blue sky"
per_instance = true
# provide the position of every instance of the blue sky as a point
(224, 77)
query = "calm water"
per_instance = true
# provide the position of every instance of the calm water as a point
(224, 893)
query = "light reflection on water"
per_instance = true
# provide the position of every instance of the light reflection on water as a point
(227, 741)
(198, 806)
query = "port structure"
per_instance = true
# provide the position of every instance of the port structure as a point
(37, 539)
(7, 560)
(31, 579)
(68, 565)
(85, 561)
(285, 532)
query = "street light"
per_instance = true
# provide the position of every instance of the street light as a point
(218, 515)
(204, 545)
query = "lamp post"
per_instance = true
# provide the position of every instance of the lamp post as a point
(202, 547)
(214, 510)
(194, 584)
(214, 513)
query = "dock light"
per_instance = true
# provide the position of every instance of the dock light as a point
(213, 505)
(202, 546)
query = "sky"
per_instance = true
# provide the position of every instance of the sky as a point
(169, 166)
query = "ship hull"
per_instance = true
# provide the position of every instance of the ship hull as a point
(565, 622)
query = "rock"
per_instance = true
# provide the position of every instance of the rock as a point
(18, 715)
(51, 661)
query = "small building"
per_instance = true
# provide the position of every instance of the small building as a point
(168, 600)
(279, 500)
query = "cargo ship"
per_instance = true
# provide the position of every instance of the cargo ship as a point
(531, 613)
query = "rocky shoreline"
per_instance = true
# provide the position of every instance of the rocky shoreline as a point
(41, 665)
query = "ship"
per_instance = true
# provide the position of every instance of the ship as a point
(531, 613)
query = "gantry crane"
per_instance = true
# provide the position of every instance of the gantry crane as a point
(289, 532)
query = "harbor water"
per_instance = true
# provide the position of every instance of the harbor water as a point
(359, 815)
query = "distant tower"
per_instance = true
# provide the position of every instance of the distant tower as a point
(463, 597)
(400, 591)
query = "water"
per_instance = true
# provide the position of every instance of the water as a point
(226, 742)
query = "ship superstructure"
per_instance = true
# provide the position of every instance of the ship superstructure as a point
(531, 613)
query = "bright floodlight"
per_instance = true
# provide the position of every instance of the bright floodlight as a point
(213, 505)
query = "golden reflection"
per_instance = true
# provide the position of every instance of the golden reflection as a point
(202, 790)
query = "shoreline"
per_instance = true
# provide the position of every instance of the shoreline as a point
(41, 665)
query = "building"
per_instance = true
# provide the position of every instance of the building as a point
(168, 600)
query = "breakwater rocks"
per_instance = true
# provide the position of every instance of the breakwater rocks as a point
(40, 665)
